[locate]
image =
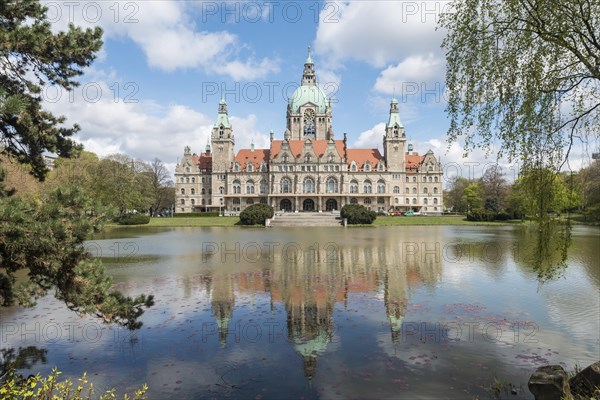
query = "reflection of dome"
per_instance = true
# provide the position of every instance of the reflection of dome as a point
(309, 94)
(312, 347)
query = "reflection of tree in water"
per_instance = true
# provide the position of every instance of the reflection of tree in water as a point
(21, 358)
(544, 247)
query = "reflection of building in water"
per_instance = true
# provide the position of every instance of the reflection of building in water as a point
(311, 283)
(222, 302)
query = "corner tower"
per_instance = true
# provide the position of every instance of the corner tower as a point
(309, 111)
(394, 140)
(222, 140)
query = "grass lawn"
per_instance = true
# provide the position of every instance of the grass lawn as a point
(203, 221)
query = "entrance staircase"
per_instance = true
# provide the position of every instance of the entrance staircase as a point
(285, 219)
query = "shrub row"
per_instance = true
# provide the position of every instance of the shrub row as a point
(256, 214)
(133, 219)
(481, 214)
(358, 214)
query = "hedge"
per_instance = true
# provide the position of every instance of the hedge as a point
(358, 214)
(256, 214)
(133, 219)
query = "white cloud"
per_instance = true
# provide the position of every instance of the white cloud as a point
(166, 33)
(146, 130)
(415, 70)
(371, 138)
(378, 32)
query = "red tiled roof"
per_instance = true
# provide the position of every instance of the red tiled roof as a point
(319, 146)
(256, 156)
(204, 161)
(412, 161)
(361, 156)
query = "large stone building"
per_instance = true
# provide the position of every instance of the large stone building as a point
(309, 170)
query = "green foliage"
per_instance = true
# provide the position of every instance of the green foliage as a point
(480, 214)
(455, 197)
(29, 45)
(358, 214)
(133, 219)
(15, 387)
(524, 74)
(256, 214)
(474, 196)
(197, 214)
(45, 238)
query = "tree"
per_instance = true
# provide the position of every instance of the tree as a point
(590, 182)
(495, 188)
(524, 73)
(474, 196)
(44, 237)
(31, 56)
(46, 240)
(160, 181)
(455, 197)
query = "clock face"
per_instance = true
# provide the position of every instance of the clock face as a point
(309, 114)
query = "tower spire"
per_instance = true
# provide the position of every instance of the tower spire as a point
(308, 59)
(308, 76)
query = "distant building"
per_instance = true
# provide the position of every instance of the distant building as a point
(49, 160)
(308, 170)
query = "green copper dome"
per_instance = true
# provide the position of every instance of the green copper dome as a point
(309, 94)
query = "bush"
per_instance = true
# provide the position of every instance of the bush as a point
(256, 214)
(197, 214)
(357, 214)
(36, 387)
(133, 219)
(480, 214)
(503, 216)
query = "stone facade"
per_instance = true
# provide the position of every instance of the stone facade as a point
(309, 170)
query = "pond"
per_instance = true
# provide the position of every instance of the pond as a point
(406, 311)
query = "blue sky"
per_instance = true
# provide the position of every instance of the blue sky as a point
(157, 82)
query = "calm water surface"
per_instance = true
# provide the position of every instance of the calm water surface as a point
(408, 311)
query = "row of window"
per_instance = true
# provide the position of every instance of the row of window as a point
(193, 202)
(193, 180)
(193, 191)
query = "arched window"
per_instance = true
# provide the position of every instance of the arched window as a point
(194, 191)
(264, 187)
(203, 202)
(249, 202)
(203, 191)
(381, 186)
(285, 157)
(353, 186)
(236, 201)
(182, 179)
(353, 167)
(353, 200)
(332, 185)
(237, 187)
(250, 187)
(307, 158)
(285, 185)
(414, 190)
(435, 201)
(407, 190)
(435, 179)
(425, 190)
(263, 167)
(193, 180)
(309, 185)
(182, 201)
(380, 166)
(187, 169)
(250, 167)
(414, 179)
(414, 201)
(407, 201)
(221, 190)
(187, 180)
(236, 167)
(425, 201)
(397, 200)
(395, 130)
(367, 188)
(367, 166)
(430, 179)
(424, 179)
(435, 190)
(407, 179)
(193, 201)
(367, 200)
(182, 191)
(221, 132)
(396, 189)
